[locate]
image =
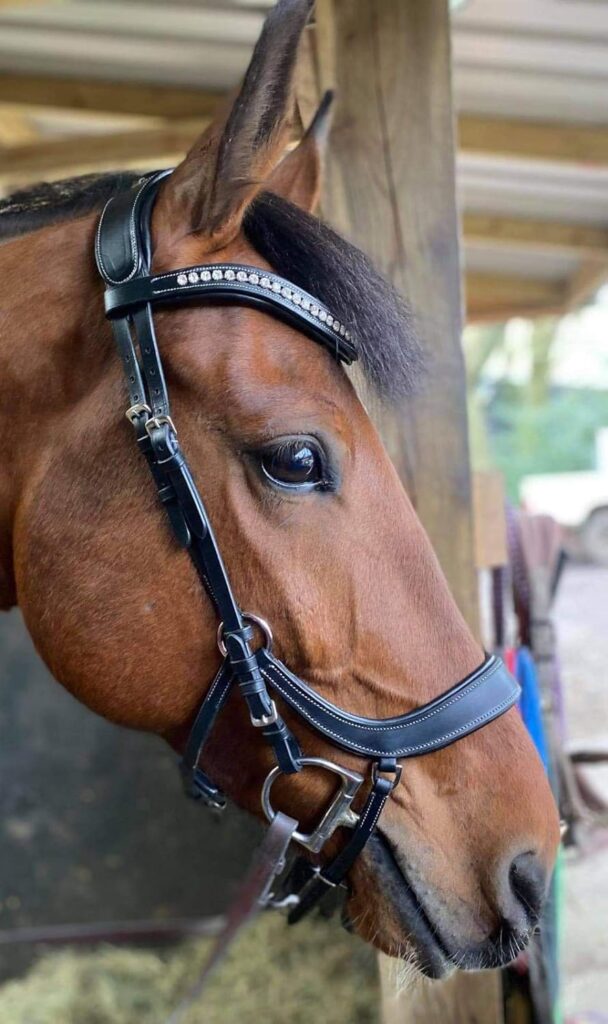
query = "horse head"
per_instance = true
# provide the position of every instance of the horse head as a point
(317, 534)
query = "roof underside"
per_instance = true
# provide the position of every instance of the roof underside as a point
(530, 85)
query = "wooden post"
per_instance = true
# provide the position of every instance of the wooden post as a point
(391, 190)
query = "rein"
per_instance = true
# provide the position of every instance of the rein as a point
(123, 255)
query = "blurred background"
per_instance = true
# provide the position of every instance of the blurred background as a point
(93, 85)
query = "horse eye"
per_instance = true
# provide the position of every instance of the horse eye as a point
(296, 462)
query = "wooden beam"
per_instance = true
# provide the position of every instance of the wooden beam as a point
(113, 97)
(16, 127)
(494, 297)
(544, 140)
(391, 189)
(491, 547)
(57, 158)
(461, 999)
(409, 204)
(537, 234)
(590, 276)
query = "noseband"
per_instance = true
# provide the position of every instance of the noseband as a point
(123, 255)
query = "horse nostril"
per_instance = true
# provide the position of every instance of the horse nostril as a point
(527, 882)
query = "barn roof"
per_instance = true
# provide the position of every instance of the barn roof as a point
(79, 79)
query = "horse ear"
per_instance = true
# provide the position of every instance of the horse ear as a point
(208, 192)
(298, 177)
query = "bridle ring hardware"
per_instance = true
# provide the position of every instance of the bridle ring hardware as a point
(339, 812)
(248, 617)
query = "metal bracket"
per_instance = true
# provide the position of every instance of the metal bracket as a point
(339, 813)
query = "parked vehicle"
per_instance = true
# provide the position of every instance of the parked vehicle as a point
(578, 501)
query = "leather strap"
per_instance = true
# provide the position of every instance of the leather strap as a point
(255, 894)
(121, 248)
(322, 879)
(274, 296)
(482, 696)
(196, 783)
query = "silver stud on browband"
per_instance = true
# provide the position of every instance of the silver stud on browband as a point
(269, 283)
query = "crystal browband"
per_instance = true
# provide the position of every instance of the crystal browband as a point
(249, 285)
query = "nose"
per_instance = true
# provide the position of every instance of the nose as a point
(522, 891)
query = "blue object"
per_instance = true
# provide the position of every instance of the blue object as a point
(529, 702)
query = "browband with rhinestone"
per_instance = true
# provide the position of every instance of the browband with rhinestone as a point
(237, 283)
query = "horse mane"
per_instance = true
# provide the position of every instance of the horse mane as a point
(297, 245)
(46, 203)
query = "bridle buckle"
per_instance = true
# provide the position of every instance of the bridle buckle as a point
(135, 411)
(154, 422)
(264, 720)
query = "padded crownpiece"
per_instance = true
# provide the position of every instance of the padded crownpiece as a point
(122, 243)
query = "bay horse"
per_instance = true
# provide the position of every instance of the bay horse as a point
(316, 531)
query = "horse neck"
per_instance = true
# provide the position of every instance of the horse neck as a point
(51, 348)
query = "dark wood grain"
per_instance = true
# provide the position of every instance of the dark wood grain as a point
(391, 190)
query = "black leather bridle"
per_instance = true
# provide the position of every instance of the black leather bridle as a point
(123, 255)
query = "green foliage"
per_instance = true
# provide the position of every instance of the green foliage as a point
(527, 427)
(555, 436)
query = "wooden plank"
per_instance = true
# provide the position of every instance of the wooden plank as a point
(112, 97)
(16, 127)
(57, 158)
(537, 234)
(463, 999)
(489, 519)
(590, 276)
(545, 140)
(391, 189)
(493, 297)
(23, 3)
(408, 224)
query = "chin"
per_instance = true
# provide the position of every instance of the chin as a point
(402, 928)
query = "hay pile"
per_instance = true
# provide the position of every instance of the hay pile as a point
(278, 975)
